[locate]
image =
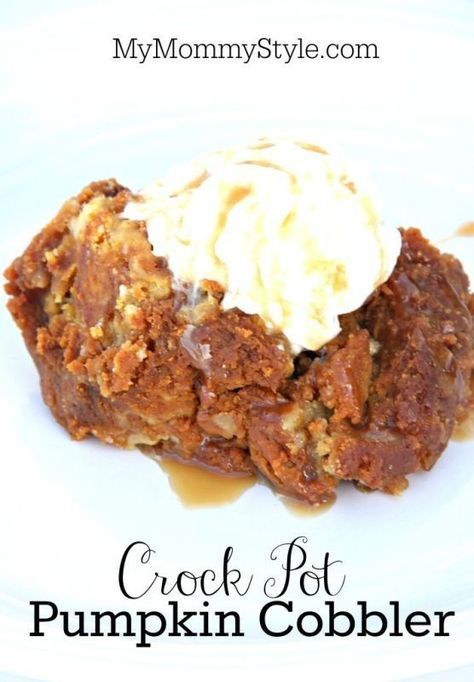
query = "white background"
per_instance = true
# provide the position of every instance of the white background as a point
(70, 114)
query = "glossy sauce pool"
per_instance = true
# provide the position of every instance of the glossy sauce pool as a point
(465, 430)
(465, 230)
(198, 487)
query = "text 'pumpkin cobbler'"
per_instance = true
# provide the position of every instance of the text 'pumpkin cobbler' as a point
(250, 312)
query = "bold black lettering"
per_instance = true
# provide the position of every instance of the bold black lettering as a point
(333, 614)
(396, 632)
(365, 615)
(304, 616)
(144, 631)
(181, 622)
(410, 623)
(79, 632)
(112, 629)
(222, 615)
(288, 606)
(442, 617)
(36, 616)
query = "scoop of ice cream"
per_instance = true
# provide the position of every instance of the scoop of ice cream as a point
(282, 225)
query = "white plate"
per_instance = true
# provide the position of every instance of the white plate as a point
(71, 114)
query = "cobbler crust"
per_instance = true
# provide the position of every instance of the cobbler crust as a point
(134, 358)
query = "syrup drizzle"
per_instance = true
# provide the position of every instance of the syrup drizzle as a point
(465, 230)
(465, 430)
(198, 487)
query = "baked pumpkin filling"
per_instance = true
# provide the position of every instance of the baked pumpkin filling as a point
(135, 356)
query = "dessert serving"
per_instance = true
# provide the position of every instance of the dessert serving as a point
(250, 313)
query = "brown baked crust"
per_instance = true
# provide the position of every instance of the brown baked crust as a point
(127, 356)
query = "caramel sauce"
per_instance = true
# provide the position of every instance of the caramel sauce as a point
(465, 230)
(465, 429)
(199, 487)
